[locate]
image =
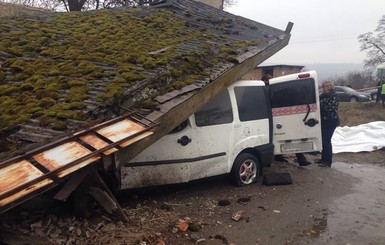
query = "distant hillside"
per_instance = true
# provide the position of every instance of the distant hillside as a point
(330, 71)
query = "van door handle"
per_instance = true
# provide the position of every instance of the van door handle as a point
(184, 140)
(311, 122)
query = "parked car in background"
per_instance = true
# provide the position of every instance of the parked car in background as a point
(372, 93)
(347, 94)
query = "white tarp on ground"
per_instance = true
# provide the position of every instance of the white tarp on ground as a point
(364, 137)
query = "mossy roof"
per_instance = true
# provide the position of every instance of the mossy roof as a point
(59, 71)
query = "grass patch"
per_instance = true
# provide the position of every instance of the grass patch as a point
(353, 114)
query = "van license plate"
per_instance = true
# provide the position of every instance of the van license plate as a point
(297, 147)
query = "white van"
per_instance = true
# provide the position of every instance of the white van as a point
(237, 132)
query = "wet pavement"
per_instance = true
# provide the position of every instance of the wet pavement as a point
(358, 216)
(339, 205)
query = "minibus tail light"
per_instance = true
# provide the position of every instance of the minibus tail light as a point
(304, 75)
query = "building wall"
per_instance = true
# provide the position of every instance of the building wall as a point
(281, 71)
(215, 3)
(255, 74)
(276, 71)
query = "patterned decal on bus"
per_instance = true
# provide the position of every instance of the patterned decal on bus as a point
(291, 110)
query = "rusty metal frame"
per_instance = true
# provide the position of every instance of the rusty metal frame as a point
(71, 164)
(76, 137)
(37, 192)
(73, 137)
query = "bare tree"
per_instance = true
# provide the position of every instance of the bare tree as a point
(229, 3)
(75, 5)
(79, 5)
(356, 79)
(374, 44)
(122, 3)
(47, 5)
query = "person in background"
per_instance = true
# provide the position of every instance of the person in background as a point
(301, 159)
(266, 79)
(382, 87)
(378, 92)
(329, 121)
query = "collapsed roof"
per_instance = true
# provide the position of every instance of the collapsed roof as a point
(60, 72)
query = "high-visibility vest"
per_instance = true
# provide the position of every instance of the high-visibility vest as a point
(383, 89)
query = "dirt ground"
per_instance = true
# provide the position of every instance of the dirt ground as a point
(344, 204)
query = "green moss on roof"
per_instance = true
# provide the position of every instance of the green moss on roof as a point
(58, 57)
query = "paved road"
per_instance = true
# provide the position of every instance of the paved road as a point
(341, 205)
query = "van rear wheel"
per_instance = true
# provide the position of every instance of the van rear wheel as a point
(246, 169)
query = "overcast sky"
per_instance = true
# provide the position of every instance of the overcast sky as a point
(324, 31)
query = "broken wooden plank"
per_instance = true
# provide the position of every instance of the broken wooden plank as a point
(175, 93)
(71, 184)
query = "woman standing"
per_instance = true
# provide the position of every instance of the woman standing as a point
(329, 121)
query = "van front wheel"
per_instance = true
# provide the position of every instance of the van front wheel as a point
(245, 169)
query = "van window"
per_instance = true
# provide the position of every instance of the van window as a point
(217, 111)
(292, 93)
(251, 103)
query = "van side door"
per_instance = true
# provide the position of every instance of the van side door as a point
(296, 113)
(196, 149)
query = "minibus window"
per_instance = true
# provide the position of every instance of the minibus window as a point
(251, 103)
(217, 111)
(293, 93)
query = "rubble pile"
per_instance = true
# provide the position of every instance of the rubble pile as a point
(150, 222)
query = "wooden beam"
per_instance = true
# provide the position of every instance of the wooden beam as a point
(72, 184)
(106, 198)
(289, 27)
(93, 185)
(182, 111)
